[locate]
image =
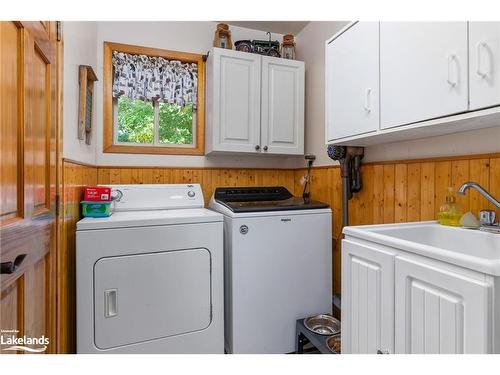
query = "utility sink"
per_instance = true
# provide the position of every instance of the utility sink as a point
(468, 248)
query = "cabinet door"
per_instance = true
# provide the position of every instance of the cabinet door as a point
(484, 57)
(439, 311)
(282, 119)
(236, 101)
(423, 71)
(352, 82)
(367, 299)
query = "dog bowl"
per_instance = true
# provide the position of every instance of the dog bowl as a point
(322, 324)
(333, 344)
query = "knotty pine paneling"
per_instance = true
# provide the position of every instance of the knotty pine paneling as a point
(209, 178)
(75, 176)
(403, 192)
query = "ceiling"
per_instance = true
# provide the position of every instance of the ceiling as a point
(279, 27)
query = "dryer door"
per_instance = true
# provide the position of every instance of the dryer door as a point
(151, 296)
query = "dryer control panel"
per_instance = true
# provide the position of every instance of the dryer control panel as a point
(157, 196)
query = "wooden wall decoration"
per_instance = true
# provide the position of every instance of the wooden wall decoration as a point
(399, 191)
(86, 80)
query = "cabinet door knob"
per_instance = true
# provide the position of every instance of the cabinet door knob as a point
(265, 148)
(257, 147)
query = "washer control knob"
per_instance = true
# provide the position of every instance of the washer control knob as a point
(191, 194)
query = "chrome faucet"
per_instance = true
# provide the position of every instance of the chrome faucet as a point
(487, 217)
(480, 190)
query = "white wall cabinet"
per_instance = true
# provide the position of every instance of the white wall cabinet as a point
(429, 79)
(282, 106)
(352, 81)
(423, 71)
(397, 302)
(255, 104)
(484, 64)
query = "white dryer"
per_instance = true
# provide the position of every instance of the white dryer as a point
(150, 277)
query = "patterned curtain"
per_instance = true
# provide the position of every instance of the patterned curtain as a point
(154, 78)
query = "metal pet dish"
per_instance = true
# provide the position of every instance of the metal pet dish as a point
(333, 344)
(322, 324)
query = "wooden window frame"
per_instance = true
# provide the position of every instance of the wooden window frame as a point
(108, 124)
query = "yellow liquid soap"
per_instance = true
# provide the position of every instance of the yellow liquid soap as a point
(450, 212)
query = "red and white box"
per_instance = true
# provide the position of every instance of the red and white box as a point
(97, 193)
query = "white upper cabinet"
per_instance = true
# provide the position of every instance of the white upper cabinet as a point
(484, 58)
(352, 81)
(233, 101)
(282, 120)
(255, 104)
(423, 71)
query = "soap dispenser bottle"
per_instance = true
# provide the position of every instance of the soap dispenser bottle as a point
(450, 212)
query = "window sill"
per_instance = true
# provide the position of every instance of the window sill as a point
(154, 150)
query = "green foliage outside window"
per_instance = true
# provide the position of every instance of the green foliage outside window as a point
(136, 122)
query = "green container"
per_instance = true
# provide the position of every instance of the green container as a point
(96, 209)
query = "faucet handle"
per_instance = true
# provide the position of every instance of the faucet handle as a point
(487, 217)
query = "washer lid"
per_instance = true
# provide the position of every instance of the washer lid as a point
(127, 219)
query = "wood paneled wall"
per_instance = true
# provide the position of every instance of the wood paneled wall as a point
(74, 177)
(209, 178)
(392, 192)
(404, 191)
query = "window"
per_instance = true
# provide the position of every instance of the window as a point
(153, 101)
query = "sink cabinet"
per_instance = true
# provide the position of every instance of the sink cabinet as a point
(394, 301)
(367, 299)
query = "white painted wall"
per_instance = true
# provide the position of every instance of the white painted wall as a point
(84, 45)
(311, 46)
(311, 49)
(80, 40)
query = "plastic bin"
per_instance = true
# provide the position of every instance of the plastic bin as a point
(96, 209)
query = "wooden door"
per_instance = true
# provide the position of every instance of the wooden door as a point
(352, 82)
(440, 310)
(423, 71)
(28, 77)
(484, 64)
(367, 299)
(236, 96)
(282, 118)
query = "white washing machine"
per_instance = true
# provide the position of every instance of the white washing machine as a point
(278, 265)
(150, 277)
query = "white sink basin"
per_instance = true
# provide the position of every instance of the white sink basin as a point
(469, 248)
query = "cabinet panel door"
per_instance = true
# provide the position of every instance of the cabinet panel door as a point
(282, 119)
(423, 71)
(439, 311)
(484, 57)
(367, 299)
(236, 101)
(352, 82)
